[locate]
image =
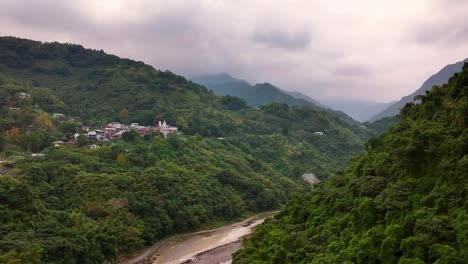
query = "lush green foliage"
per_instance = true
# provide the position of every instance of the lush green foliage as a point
(77, 205)
(94, 88)
(403, 201)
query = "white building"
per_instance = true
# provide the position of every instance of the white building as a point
(93, 146)
(165, 129)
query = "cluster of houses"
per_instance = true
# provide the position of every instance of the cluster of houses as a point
(115, 130)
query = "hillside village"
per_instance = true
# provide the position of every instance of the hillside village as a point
(114, 131)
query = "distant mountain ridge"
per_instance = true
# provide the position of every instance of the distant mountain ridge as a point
(262, 93)
(299, 95)
(358, 109)
(439, 78)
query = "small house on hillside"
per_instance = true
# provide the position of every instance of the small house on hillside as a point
(92, 135)
(58, 115)
(23, 95)
(57, 143)
(115, 125)
(319, 133)
(165, 129)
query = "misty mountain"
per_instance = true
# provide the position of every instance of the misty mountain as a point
(299, 95)
(262, 93)
(258, 94)
(217, 80)
(359, 110)
(437, 79)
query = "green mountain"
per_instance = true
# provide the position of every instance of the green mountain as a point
(439, 78)
(80, 205)
(403, 201)
(262, 93)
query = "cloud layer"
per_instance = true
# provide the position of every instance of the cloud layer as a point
(364, 49)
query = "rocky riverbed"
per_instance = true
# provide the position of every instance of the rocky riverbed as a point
(205, 247)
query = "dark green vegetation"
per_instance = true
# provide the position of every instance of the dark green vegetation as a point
(77, 205)
(85, 206)
(403, 201)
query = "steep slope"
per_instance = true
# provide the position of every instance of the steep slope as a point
(96, 86)
(437, 79)
(82, 205)
(262, 93)
(403, 201)
(93, 88)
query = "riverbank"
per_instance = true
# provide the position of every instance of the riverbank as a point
(222, 254)
(209, 246)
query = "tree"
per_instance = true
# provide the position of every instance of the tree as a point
(67, 128)
(43, 121)
(182, 123)
(130, 135)
(12, 135)
(233, 103)
(123, 116)
(82, 140)
(121, 159)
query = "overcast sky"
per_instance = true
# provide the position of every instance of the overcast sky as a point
(363, 49)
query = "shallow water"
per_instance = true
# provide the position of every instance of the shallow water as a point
(189, 248)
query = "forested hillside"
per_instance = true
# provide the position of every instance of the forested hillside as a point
(403, 201)
(73, 204)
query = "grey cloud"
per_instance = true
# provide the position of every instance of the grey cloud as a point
(453, 34)
(352, 70)
(449, 29)
(197, 37)
(44, 15)
(283, 40)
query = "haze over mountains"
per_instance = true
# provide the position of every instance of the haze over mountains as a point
(264, 93)
(258, 94)
(359, 110)
(402, 201)
(439, 78)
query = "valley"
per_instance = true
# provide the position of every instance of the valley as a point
(111, 153)
(110, 189)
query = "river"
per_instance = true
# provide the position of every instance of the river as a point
(205, 247)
